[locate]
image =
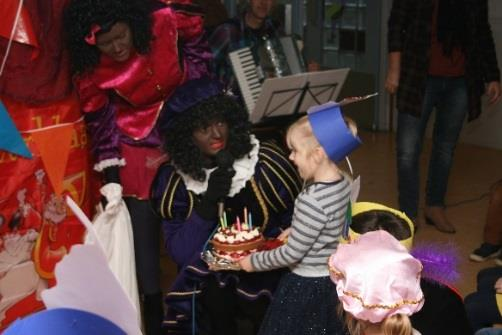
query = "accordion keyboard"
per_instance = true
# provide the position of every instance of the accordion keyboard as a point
(247, 76)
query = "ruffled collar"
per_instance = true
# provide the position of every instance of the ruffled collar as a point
(244, 170)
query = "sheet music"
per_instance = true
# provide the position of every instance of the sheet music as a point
(281, 96)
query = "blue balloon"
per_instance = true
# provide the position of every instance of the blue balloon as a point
(63, 321)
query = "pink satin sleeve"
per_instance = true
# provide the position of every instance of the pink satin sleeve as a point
(189, 26)
(92, 98)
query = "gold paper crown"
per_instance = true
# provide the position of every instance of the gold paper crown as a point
(362, 207)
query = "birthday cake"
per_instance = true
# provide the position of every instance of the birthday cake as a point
(237, 241)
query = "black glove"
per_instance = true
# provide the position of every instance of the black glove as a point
(111, 175)
(218, 186)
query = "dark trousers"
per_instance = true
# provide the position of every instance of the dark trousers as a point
(146, 230)
(220, 311)
(449, 97)
(481, 306)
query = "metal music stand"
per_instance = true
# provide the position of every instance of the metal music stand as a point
(293, 95)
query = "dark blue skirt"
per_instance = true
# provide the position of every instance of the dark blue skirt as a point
(303, 306)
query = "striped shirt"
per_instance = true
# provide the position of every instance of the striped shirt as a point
(316, 228)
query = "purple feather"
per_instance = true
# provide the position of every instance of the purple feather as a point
(440, 261)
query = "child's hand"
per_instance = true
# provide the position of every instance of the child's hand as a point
(245, 264)
(284, 235)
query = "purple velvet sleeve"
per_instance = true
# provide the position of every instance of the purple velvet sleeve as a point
(184, 240)
(184, 237)
(197, 57)
(102, 129)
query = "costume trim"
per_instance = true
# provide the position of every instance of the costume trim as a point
(292, 186)
(271, 188)
(99, 167)
(284, 173)
(182, 294)
(381, 306)
(261, 202)
(164, 195)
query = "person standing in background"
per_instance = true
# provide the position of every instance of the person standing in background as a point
(441, 55)
(250, 29)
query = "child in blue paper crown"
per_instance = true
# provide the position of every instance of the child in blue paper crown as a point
(318, 142)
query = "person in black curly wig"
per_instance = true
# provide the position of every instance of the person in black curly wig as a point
(128, 57)
(186, 155)
(217, 162)
(82, 15)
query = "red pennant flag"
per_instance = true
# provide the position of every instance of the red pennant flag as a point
(54, 146)
(24, 32)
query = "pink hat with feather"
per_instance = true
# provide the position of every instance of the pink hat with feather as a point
(376, 277)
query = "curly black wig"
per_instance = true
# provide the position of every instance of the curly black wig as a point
(80, 15)
(185, 155)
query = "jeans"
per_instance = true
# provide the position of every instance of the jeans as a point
(449, 96)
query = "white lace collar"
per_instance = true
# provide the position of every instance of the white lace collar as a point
(244, 170)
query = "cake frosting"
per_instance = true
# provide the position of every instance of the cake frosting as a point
(233, 244)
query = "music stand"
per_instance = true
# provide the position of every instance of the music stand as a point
(296, 93)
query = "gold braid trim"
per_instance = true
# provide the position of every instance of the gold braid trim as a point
(391, 306)
(334, 271)
(181, 294)
(170, 191)
(272, 188)
(170, 204)
(190, 204)
(255, 295)
(292, 175)
(280, 176)
(264, 194)
(356, 296)
(162, 202)
(261, 202)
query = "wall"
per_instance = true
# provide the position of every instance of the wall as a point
(486, 131)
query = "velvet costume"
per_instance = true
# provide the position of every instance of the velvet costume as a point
(268, 194)
(122, 101)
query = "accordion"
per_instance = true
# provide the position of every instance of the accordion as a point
(284, 59)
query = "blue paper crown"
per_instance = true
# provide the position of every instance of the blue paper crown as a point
(64, 321)
(331, 131)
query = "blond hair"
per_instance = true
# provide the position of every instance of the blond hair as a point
(303, 129)
(397, 324)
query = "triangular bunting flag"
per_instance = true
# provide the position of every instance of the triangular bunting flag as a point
(24, 32)
(10, 138)
(54, 147)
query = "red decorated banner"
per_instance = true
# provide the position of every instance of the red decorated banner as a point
(36, 227)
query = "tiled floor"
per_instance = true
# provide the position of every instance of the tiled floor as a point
(474, 170)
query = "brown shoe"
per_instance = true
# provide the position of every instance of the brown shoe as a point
(436, 216)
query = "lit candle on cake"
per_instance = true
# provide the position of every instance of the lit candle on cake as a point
(250, 222)
(246, 216)
(238, 223)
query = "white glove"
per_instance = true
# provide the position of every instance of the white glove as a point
(113, 194)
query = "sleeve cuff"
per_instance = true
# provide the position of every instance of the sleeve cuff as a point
(109, 162)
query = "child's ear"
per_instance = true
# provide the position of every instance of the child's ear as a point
(319, 154)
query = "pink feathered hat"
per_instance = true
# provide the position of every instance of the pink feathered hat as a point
(376, 277)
